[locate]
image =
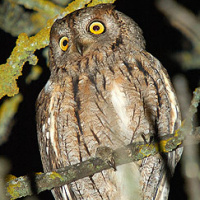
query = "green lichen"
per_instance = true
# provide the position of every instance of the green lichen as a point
(147, 150)
(10, 177)
(12, 189)
(54, 175)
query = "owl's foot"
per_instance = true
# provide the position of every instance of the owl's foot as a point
(106, 153)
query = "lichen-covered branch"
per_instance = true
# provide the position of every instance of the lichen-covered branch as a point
(26, 46)
(38, 182)
(23, 186)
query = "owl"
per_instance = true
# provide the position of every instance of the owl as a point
(105, 90)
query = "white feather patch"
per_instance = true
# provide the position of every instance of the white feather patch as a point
(43, 128)
(47, 87)
(47, 150)
(128, 177)
(47, 135)
(119, 102)
(51, 122)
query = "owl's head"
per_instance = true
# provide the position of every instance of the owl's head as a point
(94, 29)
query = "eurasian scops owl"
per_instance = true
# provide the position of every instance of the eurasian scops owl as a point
(105, 89)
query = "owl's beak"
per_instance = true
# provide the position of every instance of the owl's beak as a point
(80, 48)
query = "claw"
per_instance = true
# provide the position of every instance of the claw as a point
(106, 154)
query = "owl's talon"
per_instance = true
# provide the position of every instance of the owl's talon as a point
(143, 137)
(106, 153)
(112, 164)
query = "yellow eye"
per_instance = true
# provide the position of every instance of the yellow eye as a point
(64, 43)
(96, 28)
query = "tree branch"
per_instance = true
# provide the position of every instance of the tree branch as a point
(36, 183)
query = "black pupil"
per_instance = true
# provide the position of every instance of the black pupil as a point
(96, 28)
(65, 43)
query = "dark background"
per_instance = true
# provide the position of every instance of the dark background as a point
(162, 41)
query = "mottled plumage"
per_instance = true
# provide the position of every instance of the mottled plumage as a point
(105, 90)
